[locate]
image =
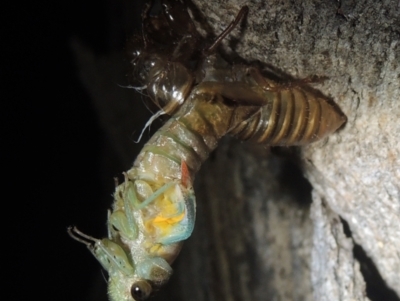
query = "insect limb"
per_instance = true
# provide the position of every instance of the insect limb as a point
(105, 251)
(128, 209)
(149, 122)
(108, 252)
(243, 11)
(87, 240)
(122, 222)
(129, 195)
(156, 194)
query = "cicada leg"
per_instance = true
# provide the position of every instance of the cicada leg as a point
(155, 195)
(122, 221)
(109, 254)
(119, 221)
(242, 12)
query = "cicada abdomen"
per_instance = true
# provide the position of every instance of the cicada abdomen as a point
(291, 116)
(190, 135)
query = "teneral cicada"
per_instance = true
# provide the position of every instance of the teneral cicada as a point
(154, 209)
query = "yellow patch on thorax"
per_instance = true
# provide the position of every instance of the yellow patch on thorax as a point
(170, 214)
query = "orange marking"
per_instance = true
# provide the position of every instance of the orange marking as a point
(185, 176)
(163, 226)
(165, 221)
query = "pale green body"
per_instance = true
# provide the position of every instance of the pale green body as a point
(154, 209)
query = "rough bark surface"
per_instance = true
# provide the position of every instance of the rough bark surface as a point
(335, 272)
(253, 231)
(254, 238)
(357, 171)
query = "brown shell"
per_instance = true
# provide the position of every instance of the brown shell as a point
(293, 116)
(173, 62)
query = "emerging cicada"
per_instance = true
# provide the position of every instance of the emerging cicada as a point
(154, 209)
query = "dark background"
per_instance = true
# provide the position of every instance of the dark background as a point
(59, 162)
(54, 146)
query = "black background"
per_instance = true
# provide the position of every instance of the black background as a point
(52, 145)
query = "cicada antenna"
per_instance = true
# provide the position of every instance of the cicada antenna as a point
(81, 237)
(243, 11)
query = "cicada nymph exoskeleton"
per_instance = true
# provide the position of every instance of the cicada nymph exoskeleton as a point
(172, 60)
(154, 209)
(293, 115)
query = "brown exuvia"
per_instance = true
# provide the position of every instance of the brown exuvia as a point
(171, 60)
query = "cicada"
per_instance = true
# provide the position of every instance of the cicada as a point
(207, 98)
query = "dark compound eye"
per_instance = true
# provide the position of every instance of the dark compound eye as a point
(141, 290)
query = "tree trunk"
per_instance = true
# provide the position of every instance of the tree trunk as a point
(262, 231)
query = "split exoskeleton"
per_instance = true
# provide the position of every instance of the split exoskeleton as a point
(154, 209)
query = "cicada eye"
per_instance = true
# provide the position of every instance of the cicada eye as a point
(141, 290)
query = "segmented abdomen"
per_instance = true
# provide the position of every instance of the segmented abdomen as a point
(189, 136)
(293, 116)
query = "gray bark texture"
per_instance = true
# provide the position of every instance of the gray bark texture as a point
(262, 231)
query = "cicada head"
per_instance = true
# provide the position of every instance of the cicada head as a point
(131, 278)
(148, 277)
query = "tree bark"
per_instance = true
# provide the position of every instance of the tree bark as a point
(262, 231)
